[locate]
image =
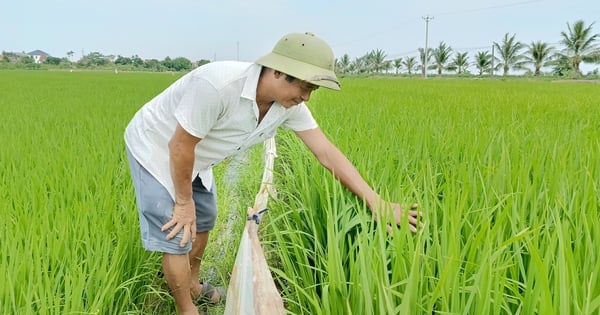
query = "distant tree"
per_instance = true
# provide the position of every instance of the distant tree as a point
(397, 65)
(368, 63)
(52, 60)
(441, 55)
(387, 66)
(460, 62)
(26, 60)
(358, 65)
(376, 60)
(202, 62)
(167, 63)
(10, 56)
(423, 61)
(483, 62)
(93, 59)
(510, 56)
(153, 65)
(70, 55)
(580, 45)
(343, 64)
(563, 66)
(137, 61)
(410, 63)
(5, 58)
(539, 55)
(123, 60)
(182, 64)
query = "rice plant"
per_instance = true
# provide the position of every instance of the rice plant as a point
(506, 172)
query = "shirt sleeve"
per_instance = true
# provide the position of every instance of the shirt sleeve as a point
(300, 119)
(199, 107)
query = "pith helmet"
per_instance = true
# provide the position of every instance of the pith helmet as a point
(303, 56)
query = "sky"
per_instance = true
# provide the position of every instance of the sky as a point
(248, 29)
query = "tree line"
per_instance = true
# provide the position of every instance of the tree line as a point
(96, 60)
(579, 44)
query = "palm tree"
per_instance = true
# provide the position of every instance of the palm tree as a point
(397, 64)
(579, 45)
(441, 55)
(422, 58)
(509, 54)
(377, 59)
(343, 64)
(387, 66)
(540, 55)
(410, 63)
(460, 62)
(359, 65)
(483, 62)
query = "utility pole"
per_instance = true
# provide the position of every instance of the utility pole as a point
(492, 70)
(427, 19)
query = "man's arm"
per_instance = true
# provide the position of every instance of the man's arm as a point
(181, 157)
(336, 162)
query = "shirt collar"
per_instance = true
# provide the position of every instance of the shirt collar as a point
(252, 75)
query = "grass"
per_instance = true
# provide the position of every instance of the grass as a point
(505, 171)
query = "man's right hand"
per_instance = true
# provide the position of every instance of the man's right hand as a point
(184, 217)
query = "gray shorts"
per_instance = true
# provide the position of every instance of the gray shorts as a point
(155, 207)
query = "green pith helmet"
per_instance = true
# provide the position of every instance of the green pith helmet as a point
(303, 56)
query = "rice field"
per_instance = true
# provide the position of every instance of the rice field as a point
(506, 172)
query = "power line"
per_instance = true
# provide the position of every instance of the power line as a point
(395, 27)
(501, 6)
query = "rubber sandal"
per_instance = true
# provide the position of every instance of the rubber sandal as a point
(208, 291)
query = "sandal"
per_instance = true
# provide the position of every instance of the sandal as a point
(208, 291)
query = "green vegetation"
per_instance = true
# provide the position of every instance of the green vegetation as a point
(505, 171)
(578, 44)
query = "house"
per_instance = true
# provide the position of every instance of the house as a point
(38, 56)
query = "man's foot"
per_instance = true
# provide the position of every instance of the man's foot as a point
(209, 294)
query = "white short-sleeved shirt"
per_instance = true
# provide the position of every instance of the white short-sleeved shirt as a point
(217, 103)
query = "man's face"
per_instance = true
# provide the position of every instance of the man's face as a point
(295, 91)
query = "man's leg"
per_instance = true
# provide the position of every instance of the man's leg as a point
(155, 209)
(206, 214)
(177, 273)
(195, 260)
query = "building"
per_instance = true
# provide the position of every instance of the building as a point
(38, 56)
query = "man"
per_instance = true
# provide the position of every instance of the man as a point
(211, 113)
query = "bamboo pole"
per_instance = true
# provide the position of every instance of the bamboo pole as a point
(252, 290)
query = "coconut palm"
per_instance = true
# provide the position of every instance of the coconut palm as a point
(359, 65)
(387, 66)
(510, 56)
(410, 63)
(377, 60)
(540, 55)
(580, 45)
(483, 62)
(441, 55)
(343, 64)
(397, 64)
(460, 62)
